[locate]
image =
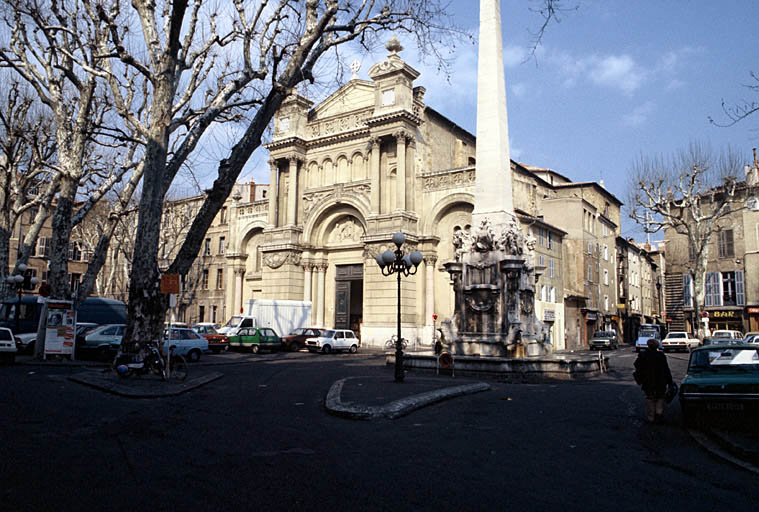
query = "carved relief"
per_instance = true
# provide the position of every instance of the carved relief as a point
(277, 259)
(453, 179)
(346, 232)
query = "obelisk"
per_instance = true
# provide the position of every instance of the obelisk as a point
(492, 196)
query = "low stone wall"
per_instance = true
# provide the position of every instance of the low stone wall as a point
(562, 367)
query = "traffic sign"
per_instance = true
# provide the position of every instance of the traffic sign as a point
(170, 283)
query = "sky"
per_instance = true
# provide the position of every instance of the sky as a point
(613, 81)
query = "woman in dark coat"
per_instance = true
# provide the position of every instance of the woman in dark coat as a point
(653, 375)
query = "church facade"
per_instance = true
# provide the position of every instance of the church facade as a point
(346, 174)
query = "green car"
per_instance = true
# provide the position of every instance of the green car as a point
(722, 384)
(255, 338)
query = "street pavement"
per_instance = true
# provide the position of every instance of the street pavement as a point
(259, 437)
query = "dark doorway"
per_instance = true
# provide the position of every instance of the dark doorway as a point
(349, 297)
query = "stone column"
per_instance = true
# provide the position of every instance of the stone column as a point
(321, 271)
(374, 174)
(429, 288)
(273, 195)
(411, 165)
(292, 192)
(492, 187)
(308, 271)
(238, 292)
(400, 172)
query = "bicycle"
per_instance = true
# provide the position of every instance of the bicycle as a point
(149, 359)
(390, 344)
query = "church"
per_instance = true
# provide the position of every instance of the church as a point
(345, 174)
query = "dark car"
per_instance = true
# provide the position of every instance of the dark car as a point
(216, 342)
(603, 339)
(296, 340)
(721, 384)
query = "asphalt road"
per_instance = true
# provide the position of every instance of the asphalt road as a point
(259, 439)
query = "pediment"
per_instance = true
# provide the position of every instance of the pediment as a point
(355, 95)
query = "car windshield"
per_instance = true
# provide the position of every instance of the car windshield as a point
(677, 335)
(297, 332)
(721, 334)
(648, 333)
(329, 333)
(601, 334)
(733, 358)
(233, 322)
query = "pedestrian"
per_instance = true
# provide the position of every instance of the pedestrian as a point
(653, 375)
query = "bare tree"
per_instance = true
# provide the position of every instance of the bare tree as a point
(736, 112)
(27, 148)
(688, 193)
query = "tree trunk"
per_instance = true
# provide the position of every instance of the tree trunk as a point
(58, 277)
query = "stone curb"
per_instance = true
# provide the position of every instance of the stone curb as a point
(162, 389)
(397, 408)
(718, 450)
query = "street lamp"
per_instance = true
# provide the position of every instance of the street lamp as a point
(17, 280)
(400, 264)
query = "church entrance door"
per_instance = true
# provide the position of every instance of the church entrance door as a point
(349, 297)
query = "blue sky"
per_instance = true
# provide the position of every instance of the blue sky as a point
(612, 81)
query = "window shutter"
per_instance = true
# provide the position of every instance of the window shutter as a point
(721, 244)
(708, 294)
(729, 243)
(740, 296)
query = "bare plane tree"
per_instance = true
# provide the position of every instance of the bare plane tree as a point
(689, 193)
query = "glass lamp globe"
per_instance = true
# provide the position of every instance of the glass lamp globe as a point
(399, 239)
(416, 258)
(388, 257)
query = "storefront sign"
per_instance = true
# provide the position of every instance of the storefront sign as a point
(549, 315)
(753, 311)
(725, 315)
(591, 316)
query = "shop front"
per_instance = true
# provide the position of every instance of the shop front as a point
(752, 315)
(727, 319)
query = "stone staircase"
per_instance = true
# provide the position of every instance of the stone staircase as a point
(673, 289)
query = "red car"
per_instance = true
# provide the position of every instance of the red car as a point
(296, 340)
(216, 342)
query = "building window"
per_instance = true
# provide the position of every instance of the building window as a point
(713, 284)
(726, 249)
(732, 289)
(75, 280)
(551, 267)
(204, 280)
(221, 245)
(28, 275)
(590, 272)
(606, 252)
(207, 247)
(550, 241)
(213, 313)
(606, 277)
(553, 294)
(42, 248)
(541, 237)
(201, 313)
(541, 260)
(75, 253)
(606, 303)
(223, 215)
(220, 279)
(590, 247)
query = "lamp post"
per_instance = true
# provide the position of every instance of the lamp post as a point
(17, 280)
(400, 264)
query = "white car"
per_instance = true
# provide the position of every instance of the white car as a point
(642, 342)
(105, 339)
(723, 333)
(334, 339)
(187, 342)
(7, 346)
(679, 340)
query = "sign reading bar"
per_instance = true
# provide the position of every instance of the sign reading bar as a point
(170, 283)
(724, 314)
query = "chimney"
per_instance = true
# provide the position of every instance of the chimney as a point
(252, 191)
(752, 173)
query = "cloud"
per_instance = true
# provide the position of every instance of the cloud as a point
(616, 71)
(513, 55)
(638, 115)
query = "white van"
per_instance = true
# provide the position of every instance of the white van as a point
(236, 323)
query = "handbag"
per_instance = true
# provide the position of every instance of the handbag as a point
(671, 393)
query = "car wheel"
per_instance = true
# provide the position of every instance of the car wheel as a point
(326, 349)
(353, 349)
(294, 347)
(255, 348)
(194, 356)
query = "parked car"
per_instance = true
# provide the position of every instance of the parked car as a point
(104, 340)
(679, 340)
(642, 342)
(720, 384)
(603, 339)
(296, 340)
(187, 342)
(216, 342)
(752, 337)
(7, 346)
(719, 341)
(724, 333)
(256, 339)
(334, 339)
